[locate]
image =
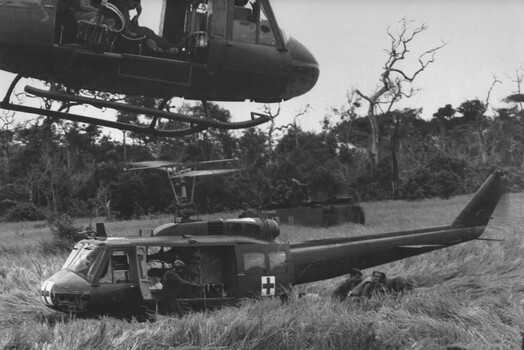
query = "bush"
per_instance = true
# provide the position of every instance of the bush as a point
(327, 180)
(515, 179)
(426, 183)
(63, 231)
(6, 204)
(375, 182)
(24, 212)
(442, 177)
(126, 195)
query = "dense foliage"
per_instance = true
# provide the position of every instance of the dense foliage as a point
(50, 167)
(468, 296)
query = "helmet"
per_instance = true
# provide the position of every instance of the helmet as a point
(178, 263)
(378, 274)
(355, 272)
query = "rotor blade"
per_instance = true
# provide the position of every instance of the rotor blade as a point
(190, 164)
(152, 164)
(215, 161)
(156, 164)
(197, 173)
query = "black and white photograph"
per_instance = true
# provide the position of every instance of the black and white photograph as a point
(261, 174)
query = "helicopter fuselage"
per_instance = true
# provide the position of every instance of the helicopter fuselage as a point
(237, 258)
(221, 55)
(124, 275)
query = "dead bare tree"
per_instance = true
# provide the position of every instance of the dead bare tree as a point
(479, 118)
(272, 128)
(267, 110)
(395, 82)
(517, 97)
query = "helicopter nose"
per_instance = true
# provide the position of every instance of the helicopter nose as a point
(305, 70)
(65, 291)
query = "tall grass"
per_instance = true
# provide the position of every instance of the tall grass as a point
(469, 296)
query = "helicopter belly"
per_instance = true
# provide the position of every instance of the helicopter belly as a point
(110, 72)
(255, 86)
(126, 74)
(139, 75)
(25, 59)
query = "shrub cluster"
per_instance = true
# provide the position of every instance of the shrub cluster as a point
(63, 231)
(20, 211)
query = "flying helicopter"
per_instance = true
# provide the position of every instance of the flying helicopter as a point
(180, 176)
(239, 258)
(222, 50)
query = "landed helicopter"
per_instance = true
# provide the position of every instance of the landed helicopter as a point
(180, 176)
(222, 50)
(237, 258)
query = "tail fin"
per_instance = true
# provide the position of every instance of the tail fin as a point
(479, 209)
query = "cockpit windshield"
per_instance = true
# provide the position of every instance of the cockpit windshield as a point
(253, 23)
(275, 7)
(82, 258)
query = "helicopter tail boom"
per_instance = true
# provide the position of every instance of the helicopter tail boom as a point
(327, 258)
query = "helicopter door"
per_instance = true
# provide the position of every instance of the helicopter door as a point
(142, 273)
(252, 268)
(185, 23)
(263, 270)
(116, 286)
(27, 22)
(255, 53)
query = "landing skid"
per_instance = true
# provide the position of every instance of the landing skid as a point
(196, 124)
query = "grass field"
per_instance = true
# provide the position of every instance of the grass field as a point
(469, 296)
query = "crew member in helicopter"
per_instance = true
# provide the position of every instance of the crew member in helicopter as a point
(84, 10)
(172, 285)
(194, 266)
(252, 13)
(154, 42)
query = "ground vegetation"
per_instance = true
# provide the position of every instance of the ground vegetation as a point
(468, 296)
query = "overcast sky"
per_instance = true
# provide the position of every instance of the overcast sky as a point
(348, 38)
(484, 39)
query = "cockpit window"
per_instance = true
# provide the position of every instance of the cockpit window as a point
(116, 269)
(252, 24)
(82, 258)
(254, 262)
(276, 10)
(277, 262)
(265, 35)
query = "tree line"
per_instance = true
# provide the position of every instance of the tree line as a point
(51, 167)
